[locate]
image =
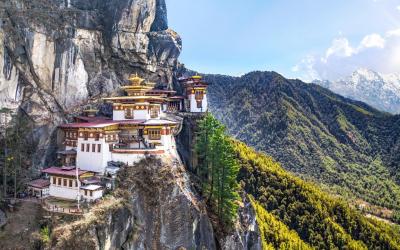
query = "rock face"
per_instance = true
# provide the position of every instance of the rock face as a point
(246, 234)
(56, 55)
(3, 218)
(155, 209)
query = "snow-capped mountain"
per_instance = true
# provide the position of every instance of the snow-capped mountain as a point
(381, 91)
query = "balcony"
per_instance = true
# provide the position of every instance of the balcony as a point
(140, 146)
(140, 149)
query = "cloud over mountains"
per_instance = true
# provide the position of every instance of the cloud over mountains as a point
(380, 52)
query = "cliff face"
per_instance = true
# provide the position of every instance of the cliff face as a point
(245, 234)
(155, 208)
(55, 55)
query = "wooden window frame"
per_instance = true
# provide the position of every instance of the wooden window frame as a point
(59, 181)
(154, 112)
(154, 134)
(85, 136)
(129, 113)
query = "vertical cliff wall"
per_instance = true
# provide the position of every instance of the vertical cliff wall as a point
(245, 234)
(154, 207)
(55, 55)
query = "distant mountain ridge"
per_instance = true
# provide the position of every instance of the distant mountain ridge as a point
(347, 146)
(381, 91)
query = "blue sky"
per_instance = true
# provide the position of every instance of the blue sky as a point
(304, 39)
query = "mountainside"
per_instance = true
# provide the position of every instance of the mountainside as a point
(57, 55)
(349, 147)
(378, 90)
(294, 214)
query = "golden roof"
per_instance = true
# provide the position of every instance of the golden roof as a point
(133, 98)
(197, 77)
(135, 80)
(90, 110)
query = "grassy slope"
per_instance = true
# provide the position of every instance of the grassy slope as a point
(296, 214)
(347, 146)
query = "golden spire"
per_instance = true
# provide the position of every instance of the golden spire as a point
(135, 80)
(197, 76)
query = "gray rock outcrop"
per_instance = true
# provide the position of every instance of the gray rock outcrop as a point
(246, 234)
(155, 208)
(3, 218)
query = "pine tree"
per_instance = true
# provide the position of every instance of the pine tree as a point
(19, 145)
(218, 168)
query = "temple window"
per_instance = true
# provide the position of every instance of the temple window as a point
(129, 113)
(70, 183)
(199, 95)
(88, 147)
(154, 112)
(154, 134)
(98, 148)
(59, 181)
(64, 182)
(54, 180)
(93, 148)
(82, 147)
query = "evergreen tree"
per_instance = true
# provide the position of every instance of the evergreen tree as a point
(18, 147)
(218, 168)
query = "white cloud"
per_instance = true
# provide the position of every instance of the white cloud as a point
(377, 52)
(305, 68)
(371, 41)
(340, 47)
(391, 33)
(398, 8)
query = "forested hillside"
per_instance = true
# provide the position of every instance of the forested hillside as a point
(294, 214)
(347, 146)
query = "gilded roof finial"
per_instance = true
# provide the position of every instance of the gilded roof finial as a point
(197, 76)
(135, 79)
